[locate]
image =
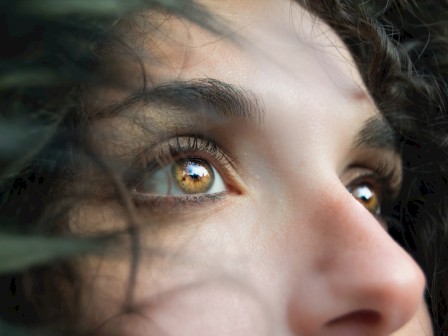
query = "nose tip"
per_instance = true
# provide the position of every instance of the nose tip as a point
(364, 304)
(363, 282)
(379, 303)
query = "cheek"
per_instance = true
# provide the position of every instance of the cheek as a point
(219, 307)
(419, 325)
(215, 274)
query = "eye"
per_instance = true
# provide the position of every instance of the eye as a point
(367, 196)
(186, 176)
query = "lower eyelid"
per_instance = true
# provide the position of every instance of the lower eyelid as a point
(173, 180)
(165, 203)
(177, 148)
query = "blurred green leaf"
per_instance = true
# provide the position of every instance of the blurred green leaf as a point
(20, 141)
(108, 8)
(78, 7)
(18, 252)
(28, 78)
(6, 329)
(113, 9)
(16, 138)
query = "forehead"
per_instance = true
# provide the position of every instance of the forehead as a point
(299, 70)
(258, 37)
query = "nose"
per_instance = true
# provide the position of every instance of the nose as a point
(356, 280)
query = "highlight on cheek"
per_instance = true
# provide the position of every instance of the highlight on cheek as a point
(193, 176)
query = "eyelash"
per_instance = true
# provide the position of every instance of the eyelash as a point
(381, 178)
(179, 147)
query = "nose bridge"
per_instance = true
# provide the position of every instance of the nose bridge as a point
(360, 278)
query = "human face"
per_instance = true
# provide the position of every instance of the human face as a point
(286, 239)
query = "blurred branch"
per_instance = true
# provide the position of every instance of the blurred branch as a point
(19, 252)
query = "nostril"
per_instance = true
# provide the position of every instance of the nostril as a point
(362, 317)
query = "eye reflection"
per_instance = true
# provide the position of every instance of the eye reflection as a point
(189, 176)
(193, 176)
(365, 195)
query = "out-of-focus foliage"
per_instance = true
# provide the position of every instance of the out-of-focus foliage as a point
(48, 51)
(20, 252)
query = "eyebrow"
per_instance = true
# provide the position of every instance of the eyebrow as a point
(207, 96)
(377, 133)
(214, 98)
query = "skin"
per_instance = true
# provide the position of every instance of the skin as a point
(285, 249)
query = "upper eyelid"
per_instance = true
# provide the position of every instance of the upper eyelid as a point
(181, 145)
(386, 163)
(366, 177)
(165, 152)
(387, 191)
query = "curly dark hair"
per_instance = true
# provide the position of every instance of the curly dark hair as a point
(400, 48)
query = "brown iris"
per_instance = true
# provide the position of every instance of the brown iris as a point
(367, 197)
(193, 176)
